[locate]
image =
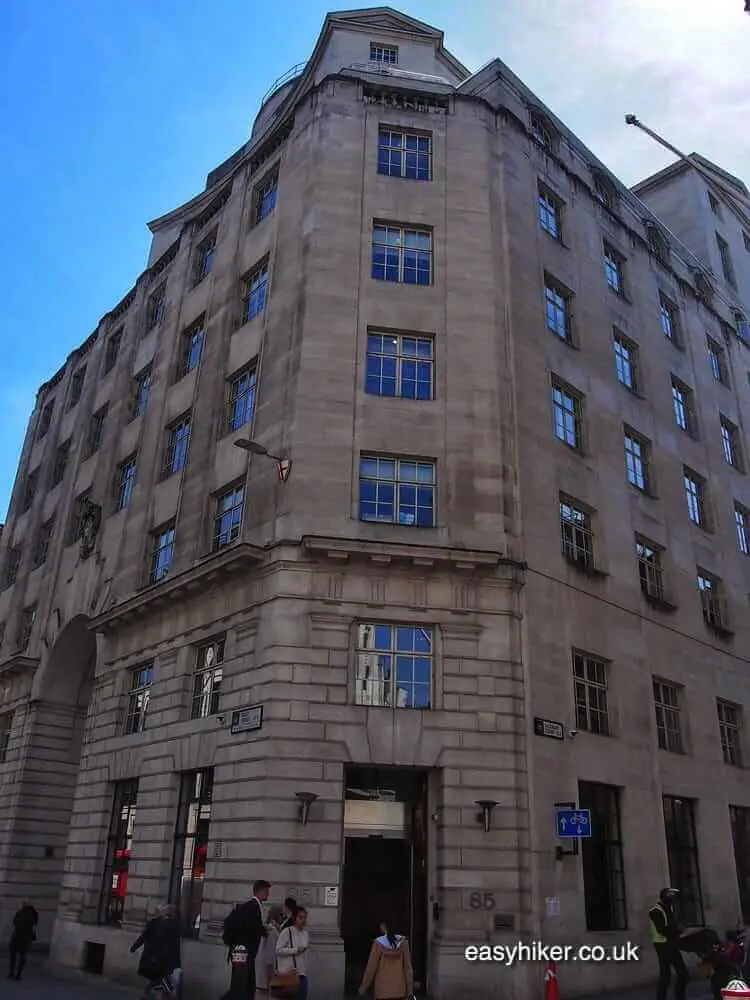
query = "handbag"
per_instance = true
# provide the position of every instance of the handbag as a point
(284, 984)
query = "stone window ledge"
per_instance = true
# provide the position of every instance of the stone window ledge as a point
(378, 553)
(217, 567)
(18, 664)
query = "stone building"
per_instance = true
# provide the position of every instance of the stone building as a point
(492, 563)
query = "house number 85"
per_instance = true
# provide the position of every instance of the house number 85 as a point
(482, 901)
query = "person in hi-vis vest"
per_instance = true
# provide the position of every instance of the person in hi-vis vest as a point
(665, 937)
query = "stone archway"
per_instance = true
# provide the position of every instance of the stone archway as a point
(53, 741)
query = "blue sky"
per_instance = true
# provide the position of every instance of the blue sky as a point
(112, 113)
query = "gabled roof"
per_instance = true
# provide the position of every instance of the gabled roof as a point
(385, 18)
(382, 19)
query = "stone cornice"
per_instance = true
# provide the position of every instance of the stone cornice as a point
(153, 599)
(18, 664)
(341, 550)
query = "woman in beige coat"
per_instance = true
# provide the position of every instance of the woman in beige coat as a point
(389, 967)
(265, 960)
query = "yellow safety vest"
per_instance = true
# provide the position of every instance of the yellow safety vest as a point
(656, 936)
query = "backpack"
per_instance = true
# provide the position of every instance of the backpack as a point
(231, 928)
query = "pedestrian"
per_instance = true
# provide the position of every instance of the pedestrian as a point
(290, 912)
(389, 967)
(24, 934)
(665, 937)
(265, 962)
(160, 962)
(291, 958)
(245, 927)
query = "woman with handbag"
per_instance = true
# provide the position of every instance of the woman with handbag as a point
(389, 967)
(290, 979)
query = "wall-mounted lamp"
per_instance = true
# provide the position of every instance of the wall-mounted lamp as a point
(283, 465)
(485, 816)
(306, 799)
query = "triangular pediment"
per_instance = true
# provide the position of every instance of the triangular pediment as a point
(384, 19)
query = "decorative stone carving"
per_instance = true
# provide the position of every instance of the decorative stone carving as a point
(427, 104)
(91, 521)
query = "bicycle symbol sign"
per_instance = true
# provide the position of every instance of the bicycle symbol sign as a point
(573, 823)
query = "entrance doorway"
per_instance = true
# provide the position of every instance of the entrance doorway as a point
(385, 865)
(60, 700)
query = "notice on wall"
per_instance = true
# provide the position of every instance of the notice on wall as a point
(552, 904)
(332, 895)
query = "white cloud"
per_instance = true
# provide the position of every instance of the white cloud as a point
(680, 65)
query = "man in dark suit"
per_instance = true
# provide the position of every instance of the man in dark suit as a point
(248, 929)
(24, 933)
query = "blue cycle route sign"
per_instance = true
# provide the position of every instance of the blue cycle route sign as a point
(573, 823)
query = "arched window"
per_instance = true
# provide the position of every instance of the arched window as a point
(657, 241)
(703, 287)
(604, 190)
(542, 131)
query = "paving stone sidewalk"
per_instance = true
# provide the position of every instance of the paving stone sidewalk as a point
(44, 982)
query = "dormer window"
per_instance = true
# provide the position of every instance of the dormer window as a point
(604, 191)
(385, 54)
(541, 131)
(657, 242)
(703, 288)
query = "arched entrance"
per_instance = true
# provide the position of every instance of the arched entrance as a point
(53, 738)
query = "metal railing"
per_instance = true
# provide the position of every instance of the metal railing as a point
(285, 78)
